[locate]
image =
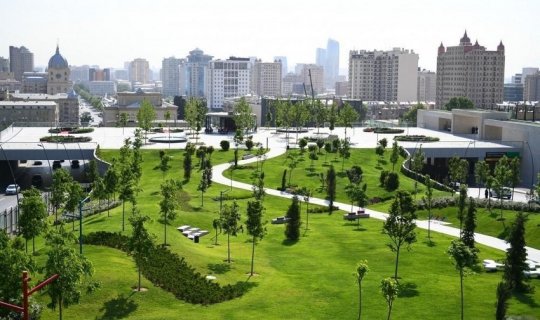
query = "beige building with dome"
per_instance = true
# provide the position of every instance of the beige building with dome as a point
(58, 74)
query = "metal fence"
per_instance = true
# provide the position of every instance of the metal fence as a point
(9, 219)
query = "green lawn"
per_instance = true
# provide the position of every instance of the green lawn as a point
(310, 279)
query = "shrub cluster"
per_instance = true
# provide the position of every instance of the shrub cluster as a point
(444, 202)
(71, 130)
(383, 130)
(389, 180)
(167, 270)
(225, 145)
(66, 139)
(416, 138)
(319, 209)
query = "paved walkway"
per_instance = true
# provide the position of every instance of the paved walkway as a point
(533, 254)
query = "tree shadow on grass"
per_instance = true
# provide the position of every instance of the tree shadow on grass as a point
(430, 243)
(118, 308)
(408, 290)
(527, 299)
(219, 268)
(96, 221)
(359, 229)
(288, 242)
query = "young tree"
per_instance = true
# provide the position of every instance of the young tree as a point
(394, 156)
(33, 212)
(169, 203)
(145, 116)
(71, 266)
(361, 270)
(98, 191)
(428, 200)
(458, 170)
(195, 114)
(292, 229)
(92, 172)
(13, 261)
(319, 114)
(410, 116)
(390, 290)
(140, 242)
(399, 225)
(61, 179)
(164, 164)
(230, 216)
(242, 115)
(383, 142)
(463, 258)
(302, 144)
(462, 202)
(187, 166)
(347, 117)
(75, 195)
(501, 179)
(469, 226)
(111, 184)
(299, 116)
(123, 121)
(292, 162)
(331, 188)
(344, 152)
(355, 174)
(327, 150)
(332, 118)
(481, 174)
(255, 226)
(516, 256)
(417, 164)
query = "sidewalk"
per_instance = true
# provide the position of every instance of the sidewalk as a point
(533, 254)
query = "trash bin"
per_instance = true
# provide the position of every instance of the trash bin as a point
(196, 239)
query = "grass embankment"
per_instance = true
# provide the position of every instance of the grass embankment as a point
(310, 279)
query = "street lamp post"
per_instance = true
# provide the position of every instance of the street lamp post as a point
(81, 204)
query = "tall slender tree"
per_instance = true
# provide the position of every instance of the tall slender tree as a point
(469, 226)
(394, 156)
(230, 216)
(516, 256)
(33, 212)
(361, 270)
(347, 117)
(462, 202)
(145, 116)
(331, 188)
(169, 203)
(255, 226)
(400, 225)
(481, 174)
(141, 242)
(292, 229)
(463, 258)
(428, 200)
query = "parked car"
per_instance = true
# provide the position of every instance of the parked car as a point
(37, 180)
(506, 193)
(56, 165)
(37, 163)
(75, 164)
(13, 189)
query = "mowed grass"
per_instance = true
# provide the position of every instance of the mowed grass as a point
(310, 279)
(306, 175)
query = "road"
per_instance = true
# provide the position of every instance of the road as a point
(86, 107)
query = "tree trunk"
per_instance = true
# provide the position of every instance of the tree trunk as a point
(252, 254)
(202, 199)
(307, 215)
(429, 224)
(228, 248)
(389, 310)
(123, 210)
(165, 240)
(60, 307)
(461, 287)
(33, 245)
(139, 287)
(359, 300)
(397, 263)
(108, 206)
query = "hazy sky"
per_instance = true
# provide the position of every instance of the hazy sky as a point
(109, 32)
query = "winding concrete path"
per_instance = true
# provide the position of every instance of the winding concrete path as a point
(533, 254)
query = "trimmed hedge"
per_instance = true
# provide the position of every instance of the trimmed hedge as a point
(66, 139)
(443, 202)
(167, 270)
(416, 138)
(71, 130)
(384, 130)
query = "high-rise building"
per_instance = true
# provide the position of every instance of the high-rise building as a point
(21, 60)
(291, 84)
(266, 78)
(139, 71)
(528, 71)
(517, 78)
(227, 79)
(427, 82)
(383, 75)
(320, 57)
(317, 77)
(531, 88)
(4, 64)
(284, 66)
(193, 73)
(97, 74)
(331, 68)
(170, 75)
(58, 74)
(121, 74)
(470, 71)
(79, 73)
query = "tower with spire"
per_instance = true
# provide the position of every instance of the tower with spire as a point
(470, 71)
(58, 74)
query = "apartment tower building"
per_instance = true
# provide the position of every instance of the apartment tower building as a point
(170, 75)
(227, 79)
(139, 71)
(21, 60)
(383, 75)
(469, 70)
(266, 78)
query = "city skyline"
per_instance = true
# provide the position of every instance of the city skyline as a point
(108, 33)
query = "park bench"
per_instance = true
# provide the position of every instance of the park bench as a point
(247, 156)
(280, 220)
